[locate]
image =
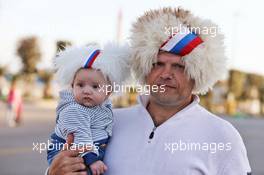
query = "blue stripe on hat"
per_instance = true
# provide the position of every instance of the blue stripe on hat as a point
(90, 58)
(182, 43)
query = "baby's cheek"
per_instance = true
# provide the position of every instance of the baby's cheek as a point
(77, 98)
(102, 98)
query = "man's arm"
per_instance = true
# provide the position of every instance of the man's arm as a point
(236, 161)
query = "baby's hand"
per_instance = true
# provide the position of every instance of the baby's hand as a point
(98, 167)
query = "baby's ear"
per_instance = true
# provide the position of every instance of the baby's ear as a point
(109, 90)
(108, 93)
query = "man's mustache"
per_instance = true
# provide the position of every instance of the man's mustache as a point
(168, 84)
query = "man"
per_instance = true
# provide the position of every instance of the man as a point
(168, 132)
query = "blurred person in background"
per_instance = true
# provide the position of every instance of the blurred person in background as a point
(14, 105)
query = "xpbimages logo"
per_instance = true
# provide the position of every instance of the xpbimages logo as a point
(196, 146)
(81, 147)
(140, 89)
(172, 30)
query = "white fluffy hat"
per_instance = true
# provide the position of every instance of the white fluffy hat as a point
(112, 60)
(205, 63)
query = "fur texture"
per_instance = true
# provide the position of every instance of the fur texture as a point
(206, 64)
(113, 61)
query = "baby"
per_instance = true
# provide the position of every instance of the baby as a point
(84, 109)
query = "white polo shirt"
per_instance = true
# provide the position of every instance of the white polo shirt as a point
(192, 142)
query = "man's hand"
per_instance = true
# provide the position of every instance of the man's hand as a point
(67, 162)
(98, 167)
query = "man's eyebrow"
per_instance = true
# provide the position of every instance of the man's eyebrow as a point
(181, 64)
(177, 63)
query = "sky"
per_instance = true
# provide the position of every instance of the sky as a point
(84, 21)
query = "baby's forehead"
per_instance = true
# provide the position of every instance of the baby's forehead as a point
(90, 75)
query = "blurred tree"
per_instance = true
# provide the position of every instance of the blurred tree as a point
(2, 79)
(29, 52)
(46, 76)
(262, 91)
(255, 80)
(262, 96)
(253, 86)
(3, 70)
(62, 44)
(206, 100)
(237, 80)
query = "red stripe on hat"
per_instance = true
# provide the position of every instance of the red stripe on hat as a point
(93, 59)
(188, 48)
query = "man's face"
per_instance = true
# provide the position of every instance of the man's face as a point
(168, 73)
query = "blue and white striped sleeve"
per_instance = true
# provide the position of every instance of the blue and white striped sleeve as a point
(77, 121)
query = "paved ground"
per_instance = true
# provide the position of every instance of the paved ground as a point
(252, 132)
(16, 144)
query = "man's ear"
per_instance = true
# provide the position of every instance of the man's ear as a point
(145, 79)
(193, 83)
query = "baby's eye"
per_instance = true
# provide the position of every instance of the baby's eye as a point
(80, 85)
(95, 86)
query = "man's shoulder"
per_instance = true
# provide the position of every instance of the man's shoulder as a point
(211, 118)
(219, 131)
(220, 127)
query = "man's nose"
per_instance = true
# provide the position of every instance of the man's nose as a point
(166, 72)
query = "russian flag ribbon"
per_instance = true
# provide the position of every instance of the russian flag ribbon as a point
(91, 59)
(181, 43)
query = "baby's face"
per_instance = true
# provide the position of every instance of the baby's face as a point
(86, 87)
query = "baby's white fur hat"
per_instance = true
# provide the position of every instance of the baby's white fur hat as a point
(206, 64)
(113, 61)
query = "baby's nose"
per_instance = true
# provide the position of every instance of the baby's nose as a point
(88, 90)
